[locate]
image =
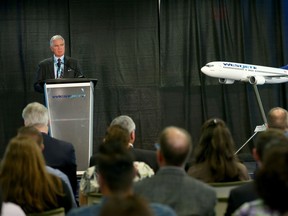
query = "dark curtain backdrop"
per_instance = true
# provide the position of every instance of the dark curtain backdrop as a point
(147, 59)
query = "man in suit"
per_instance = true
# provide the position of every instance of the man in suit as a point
(247, 192)
(147, 156)
(171, 185)
(57, 153)
(57, 66)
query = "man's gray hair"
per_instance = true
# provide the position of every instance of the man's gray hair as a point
(124, 121)
(56, 37)
(35, 114)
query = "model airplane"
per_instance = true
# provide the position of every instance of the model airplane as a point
(228, 72)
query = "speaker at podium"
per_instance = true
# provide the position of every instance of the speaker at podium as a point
(70, 106)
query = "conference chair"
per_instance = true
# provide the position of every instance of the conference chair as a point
(53, 212)
(94, 198)
(222, 190)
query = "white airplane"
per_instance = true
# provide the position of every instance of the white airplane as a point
(228, 72)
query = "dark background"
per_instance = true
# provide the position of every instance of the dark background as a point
(147, 59)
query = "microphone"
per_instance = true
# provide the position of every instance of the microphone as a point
(80, 75)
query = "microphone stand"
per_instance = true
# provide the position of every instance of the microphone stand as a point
(74, 69)
(259, 127)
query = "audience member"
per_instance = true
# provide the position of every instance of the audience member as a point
(171, 185)
(271, 183)
(115, 176)
(129, 206)
(247, 192)
(57, 66)
(9, 209)
(215, 159)
(147, 156)
(57, 153)
(25, 181)
(89, 181)
(33, 133)
(278, 118)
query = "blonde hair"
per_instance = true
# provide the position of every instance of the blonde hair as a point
(24, 179)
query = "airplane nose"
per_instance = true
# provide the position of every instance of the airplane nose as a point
(205, 69)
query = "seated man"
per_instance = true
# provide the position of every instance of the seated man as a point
(115, 176)
(58, 154)
(171, 185)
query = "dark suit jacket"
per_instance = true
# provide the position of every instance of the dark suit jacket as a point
(240, 195)
(173, 187)
(46, 71)
(61, 155)
(147, 156)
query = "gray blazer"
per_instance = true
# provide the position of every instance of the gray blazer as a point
(173, 187)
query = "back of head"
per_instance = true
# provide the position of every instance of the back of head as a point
(216, 142)
(267, 138)
(22, 154)
(117, 133)
(272, 178)
(125, 122)
(31, 132)
(23, 176)
(21, 165)
(115, 165)
(132, 205)
(35, 114)
(278, 118)
(175, 146)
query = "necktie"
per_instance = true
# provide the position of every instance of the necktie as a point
(59, 75)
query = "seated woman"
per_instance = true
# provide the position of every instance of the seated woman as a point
(215, 159)
(25, 181)
(89, 183)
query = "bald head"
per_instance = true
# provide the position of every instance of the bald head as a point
(175, 146)
(277, 118)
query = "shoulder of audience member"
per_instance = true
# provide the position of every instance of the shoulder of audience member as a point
(162, 210)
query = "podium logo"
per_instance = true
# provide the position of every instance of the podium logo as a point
(71, 96)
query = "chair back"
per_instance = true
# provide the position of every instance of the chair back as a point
(222, 190)
(53, 212)
(94, 198)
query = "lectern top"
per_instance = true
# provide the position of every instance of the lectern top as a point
(69, 80)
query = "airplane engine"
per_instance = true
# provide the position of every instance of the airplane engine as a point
(258, 80)
(226, 81)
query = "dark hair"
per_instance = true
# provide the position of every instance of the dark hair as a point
(132, 205)
(115, 164)
(266, 138)
(216, 147)
(272, 178)
(175, 155)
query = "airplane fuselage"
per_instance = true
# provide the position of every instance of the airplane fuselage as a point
(255, 74)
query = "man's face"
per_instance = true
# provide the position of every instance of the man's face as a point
(58, 47)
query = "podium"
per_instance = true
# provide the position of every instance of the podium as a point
(70, 106)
